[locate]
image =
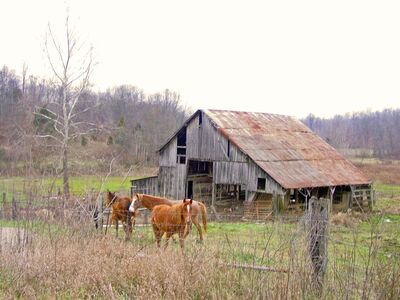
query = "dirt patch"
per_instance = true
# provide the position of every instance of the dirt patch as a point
(11, 237)
(386, 172)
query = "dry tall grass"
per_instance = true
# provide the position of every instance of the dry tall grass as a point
(73, 261)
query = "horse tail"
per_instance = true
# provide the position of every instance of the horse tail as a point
(203, 215)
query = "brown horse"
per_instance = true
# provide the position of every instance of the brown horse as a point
(171, 219)
(120, 212)
(149, 201)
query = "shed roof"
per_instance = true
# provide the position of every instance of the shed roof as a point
(286, 149)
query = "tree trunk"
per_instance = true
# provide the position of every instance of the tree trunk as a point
(65, 172)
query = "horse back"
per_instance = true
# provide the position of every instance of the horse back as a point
(166, 217)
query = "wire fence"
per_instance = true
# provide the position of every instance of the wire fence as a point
(354, 249)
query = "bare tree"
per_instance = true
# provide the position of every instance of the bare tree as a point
(71, 62)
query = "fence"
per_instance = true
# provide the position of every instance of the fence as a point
(344, 257)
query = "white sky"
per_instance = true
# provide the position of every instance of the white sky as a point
(288, 57)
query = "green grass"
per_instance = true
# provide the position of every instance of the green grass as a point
(45, 185)
(387, 188)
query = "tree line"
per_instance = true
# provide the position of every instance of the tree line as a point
(125, 123)
(122, 122)
(374, 134)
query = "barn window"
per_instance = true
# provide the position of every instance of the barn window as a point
(181, 147)
(200, 118)
(261, 184)
(199, 167)
(229, 149)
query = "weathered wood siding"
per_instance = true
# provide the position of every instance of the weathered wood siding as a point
(148, 185)
(204, 142)
(172, 181)
(168, 154)
(230, 172)
(256, 172)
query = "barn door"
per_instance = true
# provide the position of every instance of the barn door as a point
(189, 191)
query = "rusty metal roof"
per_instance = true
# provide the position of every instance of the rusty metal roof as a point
(286, 149)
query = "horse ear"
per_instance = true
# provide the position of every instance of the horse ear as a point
(191, 201)
(184, 200)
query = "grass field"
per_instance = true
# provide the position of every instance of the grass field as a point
(78, 185)
(77, 262)
(69, 259)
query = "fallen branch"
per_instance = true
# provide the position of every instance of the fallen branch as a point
(255, 267)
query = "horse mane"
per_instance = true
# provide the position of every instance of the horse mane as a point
(151, 197)
(155, 199)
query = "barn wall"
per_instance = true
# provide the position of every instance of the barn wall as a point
(180, 182)
(172, 181)
(168, 154)
(255, 172)
(230, 172)
(204, 142)
(147, 185)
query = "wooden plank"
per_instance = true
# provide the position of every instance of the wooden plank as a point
(257, 268)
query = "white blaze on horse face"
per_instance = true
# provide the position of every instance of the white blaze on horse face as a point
(132, 206)
(188, 213)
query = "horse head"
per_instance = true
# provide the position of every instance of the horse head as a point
(110, 197)
(187, 210)
(136, 203)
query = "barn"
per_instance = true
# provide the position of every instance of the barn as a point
(260, 164)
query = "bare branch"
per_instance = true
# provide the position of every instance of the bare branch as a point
(84, 110)
(47, 136)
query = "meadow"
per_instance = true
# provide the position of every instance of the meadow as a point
(68, 258)
(79, 185)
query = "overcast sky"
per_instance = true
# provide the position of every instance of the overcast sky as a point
(288, 57)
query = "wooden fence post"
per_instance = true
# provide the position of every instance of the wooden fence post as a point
(275, 204)
(99, 209)
(14, 213)
(3, 206)
(29, 208)
(318, 221)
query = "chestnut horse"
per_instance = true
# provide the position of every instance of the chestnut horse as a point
(120, 212)
(149, 201)
(171, 219)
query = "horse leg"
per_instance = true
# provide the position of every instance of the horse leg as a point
(198, 226)
(158, 235)
(182, 237)
(169, 234)
(128, 227)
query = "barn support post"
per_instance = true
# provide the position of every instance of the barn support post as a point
(346, 199)
(286, 200)
(352, 188)
(213, 196)
(331, 193)
(370, 198)
(318, 224)
(306, 193)
(275, 205)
